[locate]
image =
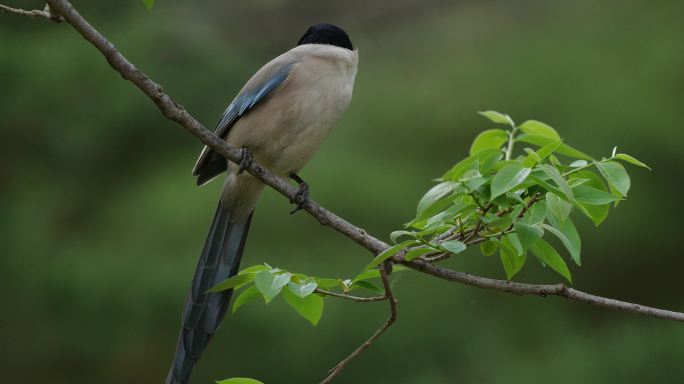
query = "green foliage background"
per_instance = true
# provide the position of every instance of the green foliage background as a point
(101, 224)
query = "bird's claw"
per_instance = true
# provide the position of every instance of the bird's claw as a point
(301, 198)
(246, 160)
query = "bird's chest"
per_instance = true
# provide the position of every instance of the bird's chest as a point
(300, 119)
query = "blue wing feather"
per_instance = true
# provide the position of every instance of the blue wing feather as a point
(250, 98)
(210, 164)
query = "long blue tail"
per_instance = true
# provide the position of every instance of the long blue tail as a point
(203, 312)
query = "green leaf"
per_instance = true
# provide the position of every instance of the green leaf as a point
(497, 117)
(578, 163)
(302, 290)
(369, 286)
(454, 246)
(548, 255)
(538, 128)
(327, 283)
(435, 195)
(475, 182)
(309, 307)
(548, 149)
(533, 154)
(459, 169)
(245, 296)
(558, 209)
(489, 247)
(511, 262)
(563, 148)
(489, 139)
(562, 184)
(597, 213)
(527, 234)
(389, 252)
(369, 274)
(239, 380)
(233, 282)
(255, 269)
(501, 222)
(542, 153)
(592, 196)
(418, 252)
(485, 159)
(575, 182)
(436, 225)
(531, 159)
(397, 234)
(616, 175)
(508, 178)
(631, 160)
(536, 214)
(148, 4)
(512, 240)
(504, 163)
(570, 238)
(555, 161)
(270, 284)
(534, 180)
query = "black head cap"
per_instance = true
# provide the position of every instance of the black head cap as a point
(326, 34)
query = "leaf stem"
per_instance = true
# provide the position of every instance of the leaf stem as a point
(350, 297)
(570, 172)
(511, 141)
(593, 163)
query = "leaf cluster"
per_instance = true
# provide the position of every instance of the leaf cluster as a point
(305, 294)
(511, 203)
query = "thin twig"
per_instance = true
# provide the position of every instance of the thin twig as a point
(45, 13)
(350, 297)
(434, 259)
(460, 227)
(448, 233)
(478, 225)
(484, 238)
(389, 296)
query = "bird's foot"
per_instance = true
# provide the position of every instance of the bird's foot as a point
(301, 198)
(246, 160)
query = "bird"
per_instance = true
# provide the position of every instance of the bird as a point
(279, 119)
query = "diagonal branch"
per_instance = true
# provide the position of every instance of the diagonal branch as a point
(389, 296)
(542, 290)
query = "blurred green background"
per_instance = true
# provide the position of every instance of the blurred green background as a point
(101, 223)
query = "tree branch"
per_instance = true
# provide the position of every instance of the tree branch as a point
(389, 296)
(45, 13)
(177, 113)
(542, 290)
